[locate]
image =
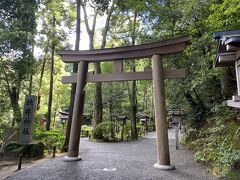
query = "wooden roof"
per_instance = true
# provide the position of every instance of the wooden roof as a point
(228, 47)
(128, 52)
(228, 55)
(224, 34)
(233, 41)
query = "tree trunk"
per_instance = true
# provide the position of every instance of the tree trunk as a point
(14, 96)
(51, 81)
(133, 89)
(31, 74)
(110, 111)
(97, 114)
(228, 84)
(110, 103)
(42, 72)
(30, 84)
(145, 104)
(133, 110)
(152, 115)
(73, 86)
(97, 99)
(16, 113)
(199, 109)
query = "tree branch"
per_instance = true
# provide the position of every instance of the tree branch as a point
(106, 28)
(86, 18)
(8, 84)
(94, 22)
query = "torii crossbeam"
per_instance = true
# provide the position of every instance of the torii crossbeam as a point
(118, 55)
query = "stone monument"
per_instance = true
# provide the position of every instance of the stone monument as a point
(25, 147)
(28, 119)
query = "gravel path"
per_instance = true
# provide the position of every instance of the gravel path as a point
(113, 161)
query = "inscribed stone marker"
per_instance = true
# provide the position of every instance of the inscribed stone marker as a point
(28, 119)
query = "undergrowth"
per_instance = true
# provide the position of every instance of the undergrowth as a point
(49, 138)
(216, 144)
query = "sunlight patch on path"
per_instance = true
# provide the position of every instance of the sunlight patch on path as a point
(109, 169)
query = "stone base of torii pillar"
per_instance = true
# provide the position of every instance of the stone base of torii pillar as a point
(163, 167)
(69, 159)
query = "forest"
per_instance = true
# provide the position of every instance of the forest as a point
(32, 32)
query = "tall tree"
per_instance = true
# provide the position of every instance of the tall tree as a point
(49, 113)
(17, 28)
(133, 96)
(97, 115)
(44, 60)
(128, 16)
(75, 68)
(52, 15)
(91, 32)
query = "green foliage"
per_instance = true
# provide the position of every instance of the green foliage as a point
(5, 132)
(127, 130)
(49, 138)
(86, 128)
(61, 92)
(17, 29)
(224, 15)
(139, 127)
(86, 131)
(111, 131)
(106, 131)
(217, 146)
(33, 150)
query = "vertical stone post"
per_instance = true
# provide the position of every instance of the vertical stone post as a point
(176, 115)
(177, 136)
(237, 70)
(27, 122)
(73, 149)
(163, 156)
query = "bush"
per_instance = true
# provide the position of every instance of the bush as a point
(139, 129)
(49, 138)
(127, 129)
(7, 134)
(86, 128)
(33, 150)
(217, 146)
(106, 131)
(86, 131)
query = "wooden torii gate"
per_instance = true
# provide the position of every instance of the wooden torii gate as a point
(117, 55)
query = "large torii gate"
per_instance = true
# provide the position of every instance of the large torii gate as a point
(117, 55)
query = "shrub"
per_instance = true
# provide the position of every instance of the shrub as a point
(106, 131)
(49, 138)
(217, 146)
(86, 131)
(127, 129)
(86, 128)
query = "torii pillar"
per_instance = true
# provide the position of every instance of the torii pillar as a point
(78, 107)
(163, 161)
